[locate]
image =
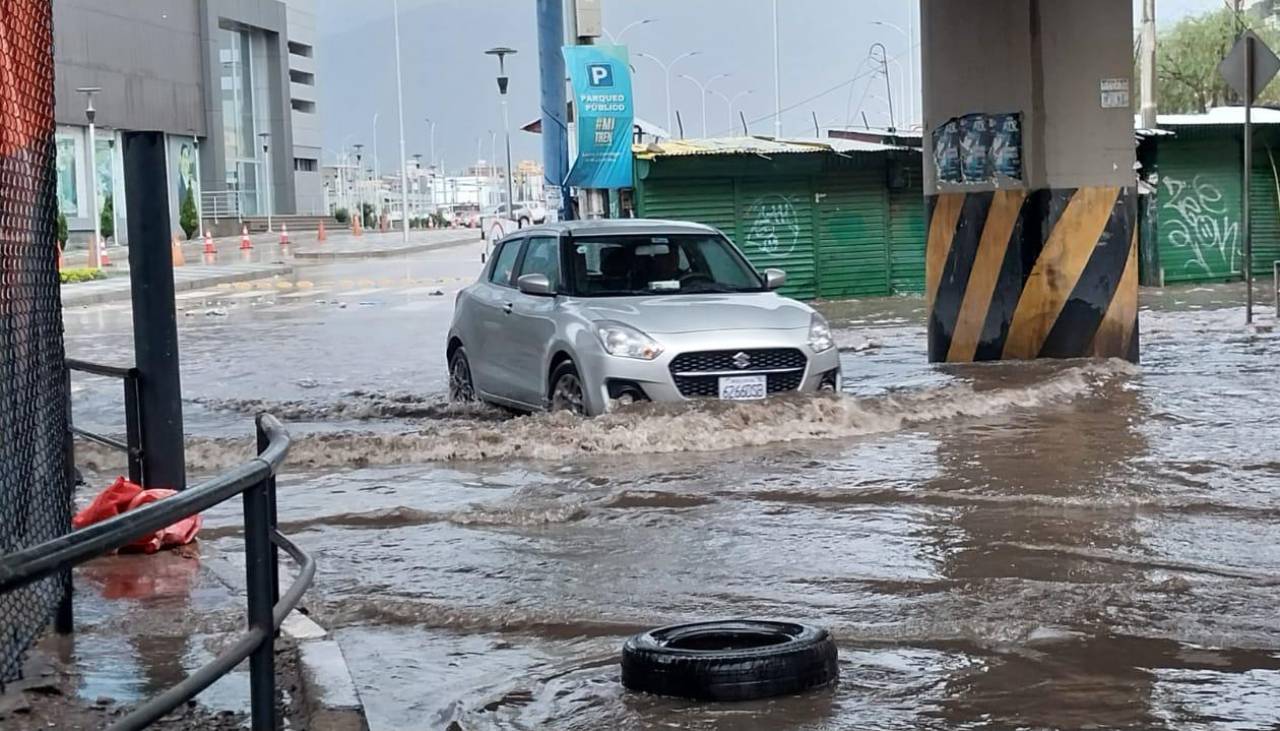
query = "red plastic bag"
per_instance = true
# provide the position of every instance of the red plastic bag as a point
(123, 496)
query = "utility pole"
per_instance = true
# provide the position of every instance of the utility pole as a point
(777, 78)
(404, 174)
(555, 123)
(91, 115)
(1148, 81)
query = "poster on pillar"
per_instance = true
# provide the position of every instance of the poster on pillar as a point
(601, 78)
(979, 148)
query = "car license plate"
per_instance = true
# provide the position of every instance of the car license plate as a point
(744, 388)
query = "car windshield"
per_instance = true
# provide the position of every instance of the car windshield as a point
(620, 266)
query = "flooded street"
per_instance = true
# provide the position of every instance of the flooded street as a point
(1067, 544)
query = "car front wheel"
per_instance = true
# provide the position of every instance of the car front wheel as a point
(566, 389)
(461, 388)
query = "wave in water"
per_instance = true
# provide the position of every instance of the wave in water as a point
(661, 428)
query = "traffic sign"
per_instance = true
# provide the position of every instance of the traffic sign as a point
(1265, 66)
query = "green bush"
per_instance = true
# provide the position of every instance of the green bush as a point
(62, 230)
(83, 274)
(370, 215)
(189, 220)
(107, 221)
(341, 215)
(439, 220)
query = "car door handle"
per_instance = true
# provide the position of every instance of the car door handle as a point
(508, 307)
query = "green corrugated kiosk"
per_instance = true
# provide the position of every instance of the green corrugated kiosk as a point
(1198, 187)
(844, 218)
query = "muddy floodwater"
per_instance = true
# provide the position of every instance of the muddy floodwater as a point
(1066, 545)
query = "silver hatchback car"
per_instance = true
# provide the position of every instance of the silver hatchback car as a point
(583, 314)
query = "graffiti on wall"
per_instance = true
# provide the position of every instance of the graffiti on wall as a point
(1204, 224)
(775, 225)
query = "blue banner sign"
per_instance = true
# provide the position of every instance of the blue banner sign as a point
(602, 101)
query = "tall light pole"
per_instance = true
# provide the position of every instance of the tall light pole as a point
(266, 165)
(884, 69)
(91, 114)
(359, 174)
(731, 101)
(616, 39)
(702, 89)
(432, 140)
(777, 78)
(493, 154)
(502, 53)
(666, 69)
(911, 65)
(404, 174)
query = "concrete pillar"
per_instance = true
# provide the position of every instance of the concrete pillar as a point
(1040, 263)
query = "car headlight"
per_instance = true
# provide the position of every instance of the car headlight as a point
(820, 334)
(625, 341)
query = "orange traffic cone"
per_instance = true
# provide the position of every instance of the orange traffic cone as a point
(321, 235)
(104, 259)
(284, 234)
(178, 258)
(245, 243)
(355, 226)
(209, 248)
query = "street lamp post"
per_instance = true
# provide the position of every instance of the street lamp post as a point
(91, 114)
(359, 193)
(911, 64)
(702, 89)
(666, 69)
(777, 78)
(618, 38)
(266, 164)
(888, 84)
(731, 101)
(432, 136)
(404, 174)
(502, 53)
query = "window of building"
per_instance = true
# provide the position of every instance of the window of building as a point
(301, 105)
(302, 77)
(305, 164)
(300, 49)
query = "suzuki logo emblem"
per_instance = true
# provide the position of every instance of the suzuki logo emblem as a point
(741, 361)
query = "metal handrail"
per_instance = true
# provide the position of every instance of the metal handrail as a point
(255, 481)
(132, 446)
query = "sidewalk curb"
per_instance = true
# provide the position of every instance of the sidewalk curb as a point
(322, 255)
(73, 299)
(329, 700)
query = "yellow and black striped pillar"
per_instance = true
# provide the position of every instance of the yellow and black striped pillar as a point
(1016, 274)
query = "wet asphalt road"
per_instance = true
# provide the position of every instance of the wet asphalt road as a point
(1021, 545)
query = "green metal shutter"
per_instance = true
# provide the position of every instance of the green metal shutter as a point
(906, 239)
(1264, 209)
(705, 201)
(1199, 214)
(776, 230)
(853, 253)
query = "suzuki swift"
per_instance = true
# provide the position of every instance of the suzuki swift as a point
(581, 315)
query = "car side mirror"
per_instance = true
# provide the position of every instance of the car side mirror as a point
(535, 284)
(774, 278)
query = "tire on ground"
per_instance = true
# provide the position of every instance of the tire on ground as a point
(730, 661)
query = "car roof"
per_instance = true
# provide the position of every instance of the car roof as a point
(616, 226)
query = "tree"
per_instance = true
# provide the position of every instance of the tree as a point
(61, 232)
(1188, 56)
(107, 221)
(189, 220)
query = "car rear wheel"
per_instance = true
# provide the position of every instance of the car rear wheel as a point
(461, 388)
(566, 389)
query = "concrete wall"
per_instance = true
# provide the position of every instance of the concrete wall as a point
(309, 185)
(1045, 59)
(144, 55)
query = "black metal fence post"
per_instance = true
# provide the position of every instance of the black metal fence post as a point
(263, 442)
(133, 428)
(257, 550)
(65, 622)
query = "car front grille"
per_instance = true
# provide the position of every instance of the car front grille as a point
(716, 361)
(698, 374)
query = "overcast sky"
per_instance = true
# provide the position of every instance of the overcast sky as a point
(449, 79)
